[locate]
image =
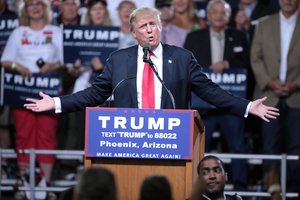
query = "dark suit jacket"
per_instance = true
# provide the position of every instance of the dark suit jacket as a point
(262, 8)
(236, 50)
(181, 74)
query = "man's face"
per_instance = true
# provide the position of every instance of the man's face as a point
(217, 16)
(288, 7)
(69, 9)
(146, 30)
(213, 176)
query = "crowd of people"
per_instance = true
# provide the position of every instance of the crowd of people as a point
(99, 183)
(254, 35)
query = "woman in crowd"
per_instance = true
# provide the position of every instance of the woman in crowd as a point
(184, 20)
(125, 8)
(96, 15)
(185, 15)
(34, 40)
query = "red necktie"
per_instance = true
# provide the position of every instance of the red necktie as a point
(148, 96)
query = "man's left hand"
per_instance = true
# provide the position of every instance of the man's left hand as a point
(265, 112)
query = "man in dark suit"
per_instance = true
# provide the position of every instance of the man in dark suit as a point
(233, 52)
(178, 68)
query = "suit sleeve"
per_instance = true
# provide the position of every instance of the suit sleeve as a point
(93, 96)
(203, 87)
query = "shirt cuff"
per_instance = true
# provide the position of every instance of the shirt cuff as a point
(57, 104)
(248, 109)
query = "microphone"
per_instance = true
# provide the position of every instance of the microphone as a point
(146, 50)
(153, 67)
(147, 59)
(111, 98)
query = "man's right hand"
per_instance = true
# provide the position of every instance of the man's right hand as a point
(40, 105)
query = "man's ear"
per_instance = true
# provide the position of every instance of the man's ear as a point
(133, 34)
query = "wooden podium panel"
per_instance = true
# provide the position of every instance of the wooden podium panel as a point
(130, 173)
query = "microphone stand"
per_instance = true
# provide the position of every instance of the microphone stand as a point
(148, 60)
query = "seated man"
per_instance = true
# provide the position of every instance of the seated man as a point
(211, 180)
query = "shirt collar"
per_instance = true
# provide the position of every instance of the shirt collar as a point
(249, 9)
(157, 52)
(217, 34)
(291, 19)
(206, 197)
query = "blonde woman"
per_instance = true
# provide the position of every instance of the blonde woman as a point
(35, 39)
(185, 15)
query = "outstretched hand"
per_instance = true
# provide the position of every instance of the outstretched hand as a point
(265, 112)
(40, 105)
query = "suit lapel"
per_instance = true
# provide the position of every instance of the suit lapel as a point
(276, 33)
(295, 35)
(228, 44)
(208, 46)
(132, 72)
(167, 76)
(203, 55)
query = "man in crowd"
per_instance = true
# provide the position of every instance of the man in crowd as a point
(222, 48)
(276, 66)
(211, 180)
(68, 13)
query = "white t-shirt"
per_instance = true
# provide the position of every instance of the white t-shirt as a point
(25, 46)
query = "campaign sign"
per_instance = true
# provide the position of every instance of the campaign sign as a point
(16, 88)
(233, 80)
(139, 133)
(87, 42)
(7, 24)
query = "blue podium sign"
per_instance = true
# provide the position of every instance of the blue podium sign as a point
(139, 133)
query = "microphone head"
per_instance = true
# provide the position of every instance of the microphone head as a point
(146, 47)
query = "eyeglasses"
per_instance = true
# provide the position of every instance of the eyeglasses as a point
(31, 5)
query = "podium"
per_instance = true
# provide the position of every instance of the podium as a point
(130, 172)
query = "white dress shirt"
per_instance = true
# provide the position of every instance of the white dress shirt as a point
(217, 43)
(157, 59)
(287, 26)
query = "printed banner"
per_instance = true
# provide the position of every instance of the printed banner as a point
(15, 88)
(233, 80)
(87, 42)
(7, 25)
(139, 133)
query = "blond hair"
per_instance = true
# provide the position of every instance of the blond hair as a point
(142, 12)
(23, 15)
